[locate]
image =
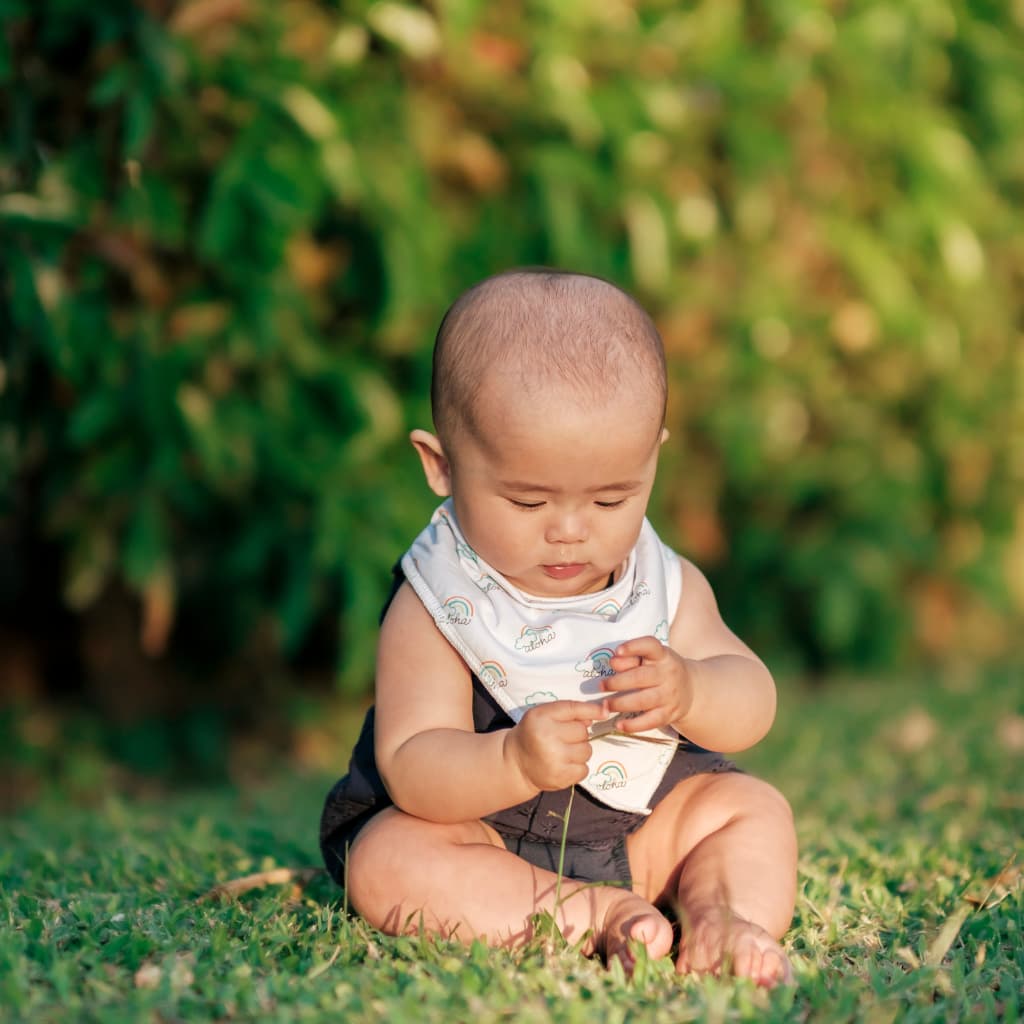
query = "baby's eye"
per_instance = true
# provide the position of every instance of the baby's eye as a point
(610, 504)
(526, 504)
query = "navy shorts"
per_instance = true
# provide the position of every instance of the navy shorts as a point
(595, 841)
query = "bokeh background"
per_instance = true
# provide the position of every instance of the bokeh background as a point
(229, 229)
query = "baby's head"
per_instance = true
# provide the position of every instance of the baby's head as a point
(527, 334)
(549, 403)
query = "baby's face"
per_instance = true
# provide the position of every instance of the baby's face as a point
(554, 494)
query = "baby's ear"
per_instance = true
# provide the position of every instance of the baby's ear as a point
(435, 462)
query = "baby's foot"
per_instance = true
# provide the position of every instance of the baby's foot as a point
(720, 942)
(630, 921)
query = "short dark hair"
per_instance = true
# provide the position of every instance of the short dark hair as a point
(583, 328)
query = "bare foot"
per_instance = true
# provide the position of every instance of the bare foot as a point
(630, 921)
(720, 942)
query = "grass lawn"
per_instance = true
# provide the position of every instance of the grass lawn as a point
(909, 802)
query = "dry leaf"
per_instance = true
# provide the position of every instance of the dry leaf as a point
(158, 607)
(182, 974)
(192, 19)
(991, 893)
(942, 942)
(148, 976)
(275, 876)
(916, 730)
(1011, 733)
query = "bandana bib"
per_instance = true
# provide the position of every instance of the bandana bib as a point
(528, 650)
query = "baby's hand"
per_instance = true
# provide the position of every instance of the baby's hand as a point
(652, 684)
(550, 744)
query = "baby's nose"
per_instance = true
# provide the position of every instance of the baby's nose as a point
(567, 528)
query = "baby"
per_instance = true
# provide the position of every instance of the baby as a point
(547, 665)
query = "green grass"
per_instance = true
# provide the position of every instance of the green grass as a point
(909, 805)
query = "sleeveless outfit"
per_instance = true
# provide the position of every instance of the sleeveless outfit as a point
(524, 650)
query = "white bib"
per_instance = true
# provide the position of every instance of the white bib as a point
(528, 650)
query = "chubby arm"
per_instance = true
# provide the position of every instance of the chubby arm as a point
(432, 762)
(707, 683)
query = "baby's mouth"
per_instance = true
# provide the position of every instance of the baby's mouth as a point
(564, 571)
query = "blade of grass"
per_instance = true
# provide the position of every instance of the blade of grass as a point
(561, 853)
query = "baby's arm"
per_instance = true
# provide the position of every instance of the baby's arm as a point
(432, 762)
(706, 683)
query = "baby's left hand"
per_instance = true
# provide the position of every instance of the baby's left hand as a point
(652, 682)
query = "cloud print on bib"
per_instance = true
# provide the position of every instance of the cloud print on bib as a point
(466, 553)
(531, 638)
(474, 570)
(540, 697)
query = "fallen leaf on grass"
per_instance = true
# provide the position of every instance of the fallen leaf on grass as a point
(915, 731)
(180, 975)
(947, 935)
(326, 965)
(1011, 733)
(276, 876)
(148, 976)
(991, 893)
(908, 956)
(944, 796)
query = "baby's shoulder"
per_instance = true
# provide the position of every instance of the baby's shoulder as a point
(409, 632)
(405, 611)
(696, 595)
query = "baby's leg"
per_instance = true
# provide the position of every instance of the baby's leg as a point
(722, 850)
(460, 881)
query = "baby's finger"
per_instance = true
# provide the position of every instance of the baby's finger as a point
(634, 700)
(577, 710)
(648, 647)
(634, 679)
(624, 662)
(640, 721)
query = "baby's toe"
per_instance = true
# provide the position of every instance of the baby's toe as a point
(775, 969)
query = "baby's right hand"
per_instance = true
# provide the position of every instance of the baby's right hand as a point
(550, 744)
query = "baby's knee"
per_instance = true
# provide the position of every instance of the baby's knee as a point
(372, 864)
(747, 795)
(736, 796)
(396, 861)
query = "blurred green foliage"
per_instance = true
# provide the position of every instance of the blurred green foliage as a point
(228, 229)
